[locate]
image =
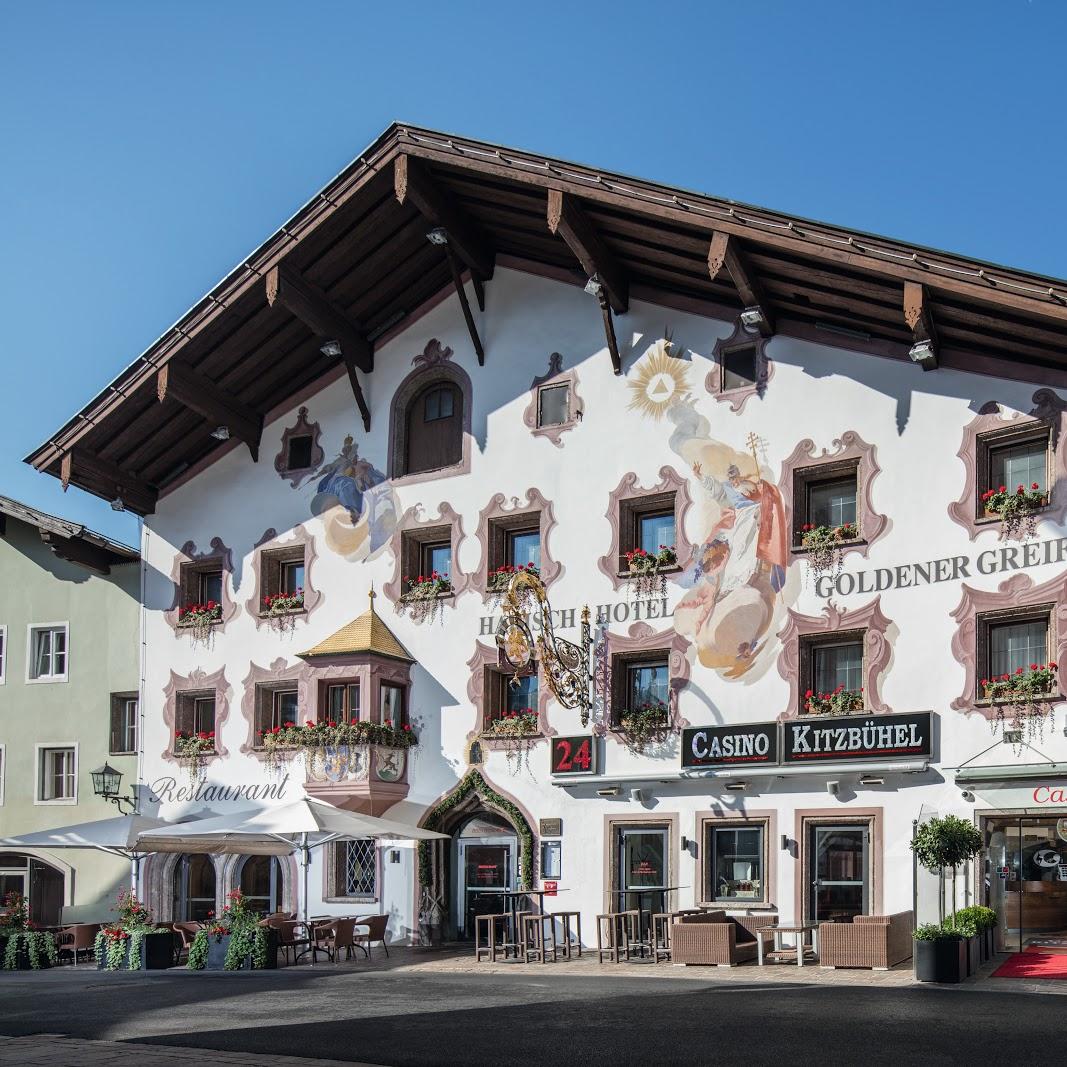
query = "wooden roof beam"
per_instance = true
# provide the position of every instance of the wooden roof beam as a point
(310, 304)
(464, 303)
(79, 552)
(412, 184)
(100, 476)
(919, 316)
(566, 219)
(193, 390)
(725, 251)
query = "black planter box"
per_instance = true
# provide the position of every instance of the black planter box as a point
(974, 954)
(157, 954)
(940, 961)
(22, 958)
(217, 949)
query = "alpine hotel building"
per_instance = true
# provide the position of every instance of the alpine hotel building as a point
(458, 358)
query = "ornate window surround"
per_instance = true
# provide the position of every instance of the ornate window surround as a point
(301, 428)
(1018, 596)
(555, 375)
(765, 818)
(413, 525)
(188, 556)
(629, 491)
(369, 670)
(433, 364)
(740, 338)
(992, 418)
(268, 543)
(807, 464)
(486, 658)
(877, 650)
(273, 677)
(641, 641)
(192, 684)
(496, 514)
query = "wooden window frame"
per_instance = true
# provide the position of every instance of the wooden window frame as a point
(621, 664)
(989, 442)
(118, 706)
(810, 642)
(185, 705)
(707, 879)
(739, 339)
(192, 574)
(987, 621)
(503, 528)
(385, 684)
(804, 478)
(267, 692)
(41, 752)
(322, 709)
(416, 406)
(494, 694)
(631, 511)
(413, 544)
(272, 563)
(290, 465)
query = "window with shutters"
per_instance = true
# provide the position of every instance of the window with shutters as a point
(434, 428)
(124, 718)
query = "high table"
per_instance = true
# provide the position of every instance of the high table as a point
(798, 930)
(644, 934)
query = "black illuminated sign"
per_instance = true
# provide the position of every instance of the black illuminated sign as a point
(730, 746)
(851, 737)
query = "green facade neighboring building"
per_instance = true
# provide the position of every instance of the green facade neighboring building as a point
(69, 675)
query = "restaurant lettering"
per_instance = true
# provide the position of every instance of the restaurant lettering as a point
(1045, 794)
(949, 569)
(857, 737)
(167, 790)
(730, 746)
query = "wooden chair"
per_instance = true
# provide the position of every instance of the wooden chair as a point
(378, 927)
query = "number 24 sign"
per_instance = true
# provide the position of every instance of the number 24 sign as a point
(573, 755)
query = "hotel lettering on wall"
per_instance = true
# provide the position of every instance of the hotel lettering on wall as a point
(821, 739)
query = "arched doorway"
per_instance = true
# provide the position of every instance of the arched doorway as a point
(194, 887)
(260, 880)
(482, 822)
(35, 880)
(485, 853)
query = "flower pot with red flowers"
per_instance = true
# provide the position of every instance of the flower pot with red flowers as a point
(1016, 509)
(497, 581)
(825, 545)
(513, 724)
(281, 608)
(199, 618)
(1026, 694)
(646, 571)
(132, 942)
(22, 946)
(840, 701)
(423, 595)
(235, 941)
(193, 750)
(337, 749)
(644, 724)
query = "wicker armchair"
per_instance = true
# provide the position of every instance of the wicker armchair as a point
(377, 927)
(717, 939)
(875, 941)
(78, 939)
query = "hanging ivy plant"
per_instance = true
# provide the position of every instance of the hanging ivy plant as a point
(646, 571)
(824, 546)
(422, 597)
(17, 931)
(473, 782)
(1016, 509)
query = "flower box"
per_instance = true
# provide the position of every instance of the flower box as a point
(217, 947)
(644, 723)
(841, 701)
(498, 581)
(513, 725)
(942, 960)
(1026, 687)
(155, 953)
(1015, 509)
(198, 616)
(275, 604)
(22, 961)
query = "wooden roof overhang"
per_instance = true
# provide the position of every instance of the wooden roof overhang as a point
(355, 265)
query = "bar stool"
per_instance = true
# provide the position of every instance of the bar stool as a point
(536, 943)
(622, 929)
(571, 939)
(488, 923)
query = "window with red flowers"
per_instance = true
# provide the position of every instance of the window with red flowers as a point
(276, 708)
(200, 592)
(1014, 647)
(195, 716)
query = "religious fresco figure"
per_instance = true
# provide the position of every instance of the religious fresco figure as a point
(356, 502)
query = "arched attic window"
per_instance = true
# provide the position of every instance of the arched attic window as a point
(434, 427)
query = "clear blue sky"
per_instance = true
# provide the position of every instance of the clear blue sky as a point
(145, 147)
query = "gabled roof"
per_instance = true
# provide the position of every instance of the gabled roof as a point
(354, 264)
(70, 540)
(367, 634)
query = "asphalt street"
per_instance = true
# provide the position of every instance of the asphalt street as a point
(411, 1020)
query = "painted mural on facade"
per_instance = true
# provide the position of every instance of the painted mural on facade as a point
(736, 580)
(356, 503)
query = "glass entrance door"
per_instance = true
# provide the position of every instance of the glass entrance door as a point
(642, 869)
(1025, 879)
(839, 862)
(486, 873)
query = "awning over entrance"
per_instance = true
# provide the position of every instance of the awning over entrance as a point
(1019, 785)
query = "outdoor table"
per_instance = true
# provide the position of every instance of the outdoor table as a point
(798, 930)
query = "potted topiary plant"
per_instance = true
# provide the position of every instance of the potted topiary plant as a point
(976, 924)
(940, 953)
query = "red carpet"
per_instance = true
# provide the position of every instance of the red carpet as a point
(1033, 963)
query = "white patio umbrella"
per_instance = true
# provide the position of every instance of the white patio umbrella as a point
(279, 830)
(117, 837)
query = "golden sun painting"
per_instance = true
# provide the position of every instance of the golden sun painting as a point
(659, 380)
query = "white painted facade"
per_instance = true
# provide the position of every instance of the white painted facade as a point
(916, 422)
